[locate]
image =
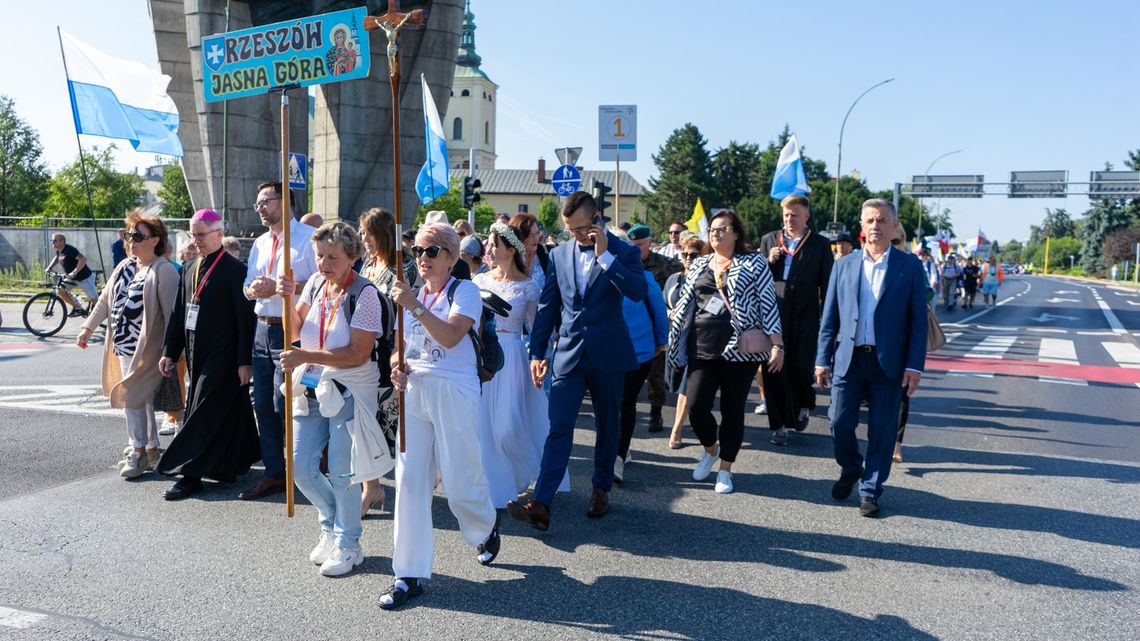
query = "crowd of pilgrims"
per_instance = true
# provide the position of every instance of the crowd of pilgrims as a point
(478, 403)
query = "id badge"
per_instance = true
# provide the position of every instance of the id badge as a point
(312, 376)
(191, 316)
(714, 307)
(414, 349)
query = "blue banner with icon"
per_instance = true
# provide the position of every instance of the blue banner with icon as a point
(330, 47)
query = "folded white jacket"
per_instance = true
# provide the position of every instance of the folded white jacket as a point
(371, 458)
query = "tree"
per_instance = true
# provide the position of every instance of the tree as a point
(733, 169)
(173, 194)
(684, 174)
(1120, 245)
(23, 176)
(1057, 223)
(1105, 217)
(550, 215)
(112, 193)
(452, 203)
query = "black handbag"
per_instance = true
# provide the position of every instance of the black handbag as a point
(168, 396)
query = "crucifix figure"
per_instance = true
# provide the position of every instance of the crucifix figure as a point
(391, 23)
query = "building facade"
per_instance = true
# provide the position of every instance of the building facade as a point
(470, 120)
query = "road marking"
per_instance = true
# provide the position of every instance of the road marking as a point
(1109, 316)
(1132, 302)
(1056, 350)
(952, 335)
(1067, 291)
(997, 328)
(1028, 286)
(1063, 381)
(1103, 332)
(1125, 354)
(992, 347)
(1047, 330)
(971, 374)
(1062, 300)
(21, 619)
(86, 400)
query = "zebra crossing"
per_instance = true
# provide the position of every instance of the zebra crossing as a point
(975, 351)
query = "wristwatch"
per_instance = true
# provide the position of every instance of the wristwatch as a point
(418, 311)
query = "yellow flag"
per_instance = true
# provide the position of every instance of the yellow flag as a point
(697, 221)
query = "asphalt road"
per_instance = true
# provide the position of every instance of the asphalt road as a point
(1014, 516)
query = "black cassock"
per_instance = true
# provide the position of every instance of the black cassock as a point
(218, 439)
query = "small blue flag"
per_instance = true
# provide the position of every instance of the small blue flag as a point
(789, 177)
(433, 180)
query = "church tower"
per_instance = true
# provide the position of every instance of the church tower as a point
(470, 120)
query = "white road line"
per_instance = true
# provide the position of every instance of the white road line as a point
(1046, 330)
(1063, 381)
(1109, 316)
(992, 347)
(974, 374)
(951, 336)
(1125, 354)
(997, 328)
(1056, 350)
(21, 619)
(1028, 286)
(1103, 332)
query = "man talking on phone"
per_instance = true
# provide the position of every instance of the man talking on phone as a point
(585, 284)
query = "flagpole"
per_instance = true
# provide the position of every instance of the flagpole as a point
(82, 161)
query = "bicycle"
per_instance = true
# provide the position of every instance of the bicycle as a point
(46, 313)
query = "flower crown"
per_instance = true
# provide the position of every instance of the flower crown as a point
(508, 234)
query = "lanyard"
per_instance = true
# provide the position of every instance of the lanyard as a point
(720, 274)
(199, 286)
(437, 295)
(799, 245)
(272, 257)
(324, 331)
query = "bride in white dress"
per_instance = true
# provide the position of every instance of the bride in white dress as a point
(513, 421)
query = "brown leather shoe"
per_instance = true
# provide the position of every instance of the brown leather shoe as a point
(264, 487)
(532, 513)
(599, 503)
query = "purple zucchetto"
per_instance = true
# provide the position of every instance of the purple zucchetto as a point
(205, 216)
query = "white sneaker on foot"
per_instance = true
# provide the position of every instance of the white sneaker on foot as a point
(324, 548)
(762, 408)
(724, 482)
(341, 561)
(168, 428)
(619, 470)
(135, 467)
(704, 467)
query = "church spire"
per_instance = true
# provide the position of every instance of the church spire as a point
(467, 56)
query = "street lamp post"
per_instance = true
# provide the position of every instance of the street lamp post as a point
(839, 161)
(918, 232)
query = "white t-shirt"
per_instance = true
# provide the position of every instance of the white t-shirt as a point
(426, 357)
(303, 256)
(366, 316)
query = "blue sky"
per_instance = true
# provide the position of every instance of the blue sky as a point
(1015, 85)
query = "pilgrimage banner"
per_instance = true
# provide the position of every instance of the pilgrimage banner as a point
(327, 48)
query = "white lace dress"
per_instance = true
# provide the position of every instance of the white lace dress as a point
(514, 420)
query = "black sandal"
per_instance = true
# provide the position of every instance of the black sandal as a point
(400, 595)
(490, 546)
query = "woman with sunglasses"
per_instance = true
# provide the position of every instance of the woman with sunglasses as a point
(724, 295)
(691, 249)
(441, 413)
(137, 303)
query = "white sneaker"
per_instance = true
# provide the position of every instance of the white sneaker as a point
(704, 467)
(168, 428)
(341, 561)
(724, 482)
(762, 408)
(324, 548)
(619, 470)
(135, 467)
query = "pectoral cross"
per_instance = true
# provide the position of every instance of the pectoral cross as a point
(391, 23)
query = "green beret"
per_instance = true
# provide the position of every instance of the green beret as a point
(637, 232)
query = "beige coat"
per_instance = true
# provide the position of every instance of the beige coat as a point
(135, 387)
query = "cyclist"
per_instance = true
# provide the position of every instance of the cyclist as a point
(75, 268)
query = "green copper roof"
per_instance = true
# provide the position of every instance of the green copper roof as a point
(467, 56)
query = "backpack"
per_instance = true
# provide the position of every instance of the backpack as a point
(489, 357)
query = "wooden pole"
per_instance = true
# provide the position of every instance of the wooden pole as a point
(394, 80)
(287, 299)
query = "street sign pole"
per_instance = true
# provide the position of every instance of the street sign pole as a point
(471, 209)
(617, 192)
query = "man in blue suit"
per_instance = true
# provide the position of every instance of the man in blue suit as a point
(872, 344)
(585, 283)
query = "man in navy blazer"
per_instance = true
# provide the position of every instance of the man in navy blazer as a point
(872, 345)
(585, 283)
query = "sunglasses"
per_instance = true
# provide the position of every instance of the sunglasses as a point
(137, 236)
(691, 255)
(262, 202)
(432, 252)
(674, 232)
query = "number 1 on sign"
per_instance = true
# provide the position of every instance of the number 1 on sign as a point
(616, 126)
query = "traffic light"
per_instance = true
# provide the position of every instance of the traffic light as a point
(470, 197)
(599, 193)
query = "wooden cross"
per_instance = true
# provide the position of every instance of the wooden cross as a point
(391, 23)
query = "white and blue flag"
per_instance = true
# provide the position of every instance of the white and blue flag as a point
(120, 99)
(789, 177)
(433, 179)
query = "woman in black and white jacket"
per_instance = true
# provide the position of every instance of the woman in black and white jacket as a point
(725, 293)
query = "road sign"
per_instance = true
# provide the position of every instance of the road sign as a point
(298, 171)
(969, 186)
(566, 155)
(306, 51)
(1118, 184)
(617, 132)
(1038, 184)
(566, 180)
